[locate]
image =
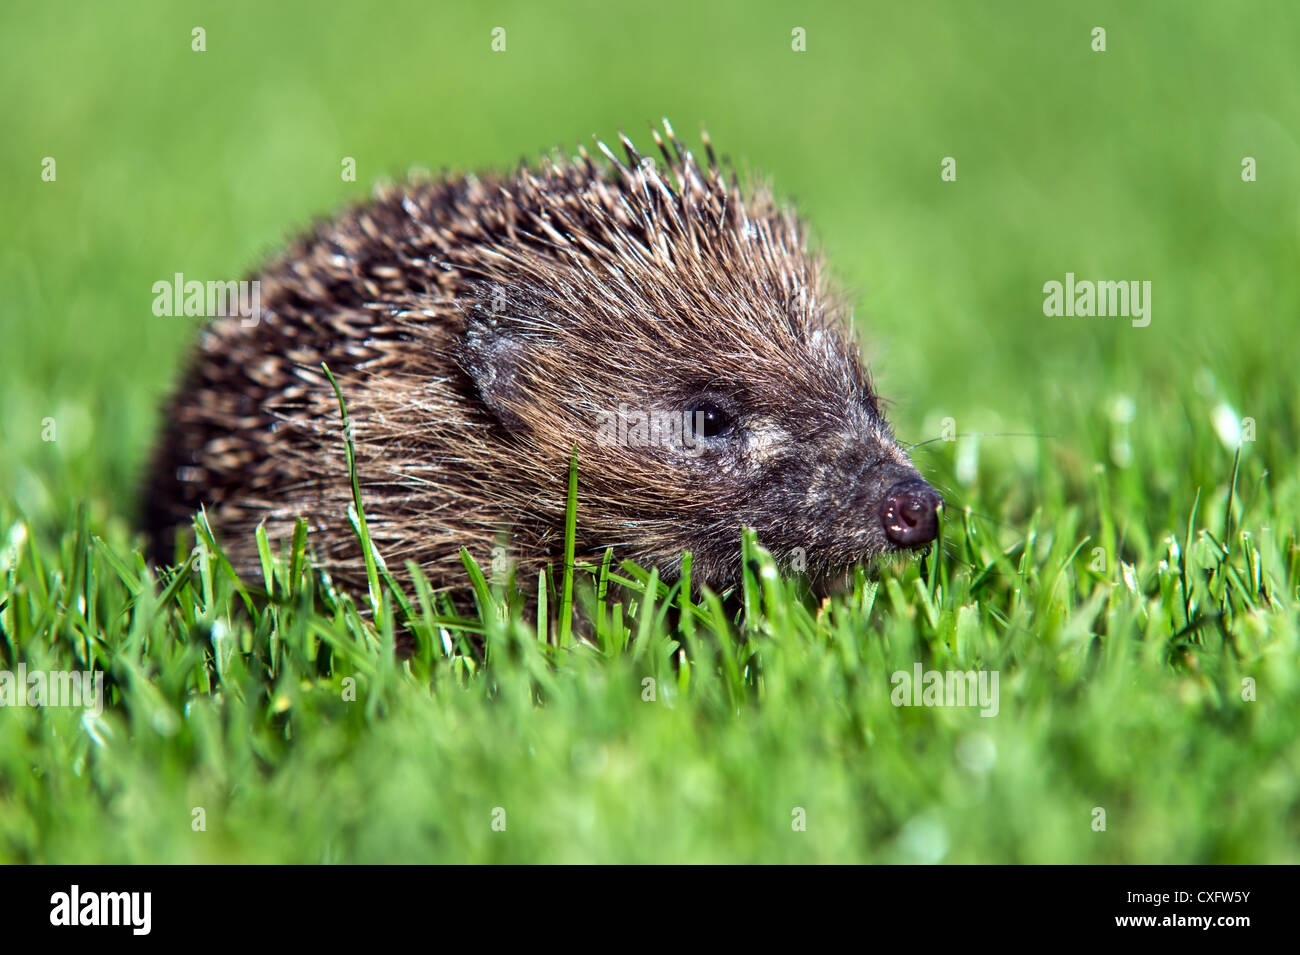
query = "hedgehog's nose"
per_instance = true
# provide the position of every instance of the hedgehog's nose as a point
(910, 513)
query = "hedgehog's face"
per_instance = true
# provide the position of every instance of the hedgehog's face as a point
(683, 442)
(793, 445)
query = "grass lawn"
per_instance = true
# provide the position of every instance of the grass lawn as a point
(1120, 546)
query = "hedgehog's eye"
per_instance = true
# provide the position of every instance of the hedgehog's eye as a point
(708, 421)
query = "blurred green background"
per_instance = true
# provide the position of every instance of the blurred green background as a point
(1121, 165)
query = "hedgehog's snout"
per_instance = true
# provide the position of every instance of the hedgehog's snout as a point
(910, 513)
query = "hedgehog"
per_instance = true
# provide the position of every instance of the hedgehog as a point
(671, 329)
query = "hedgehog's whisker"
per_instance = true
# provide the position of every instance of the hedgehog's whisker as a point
(978, 434)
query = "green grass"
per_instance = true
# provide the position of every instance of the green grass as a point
(1129, 571)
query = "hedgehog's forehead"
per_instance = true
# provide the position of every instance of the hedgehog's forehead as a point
(659, 287)
(684, 326)
(687, 332)
(797, 377)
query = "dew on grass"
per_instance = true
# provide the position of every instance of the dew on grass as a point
(967, 464)
(923, 841)
(96, 727)
(1227, 425)
(164, 721)
(1123, 411)
(977, 753)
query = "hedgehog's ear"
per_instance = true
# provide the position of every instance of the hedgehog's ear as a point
(493, 355)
